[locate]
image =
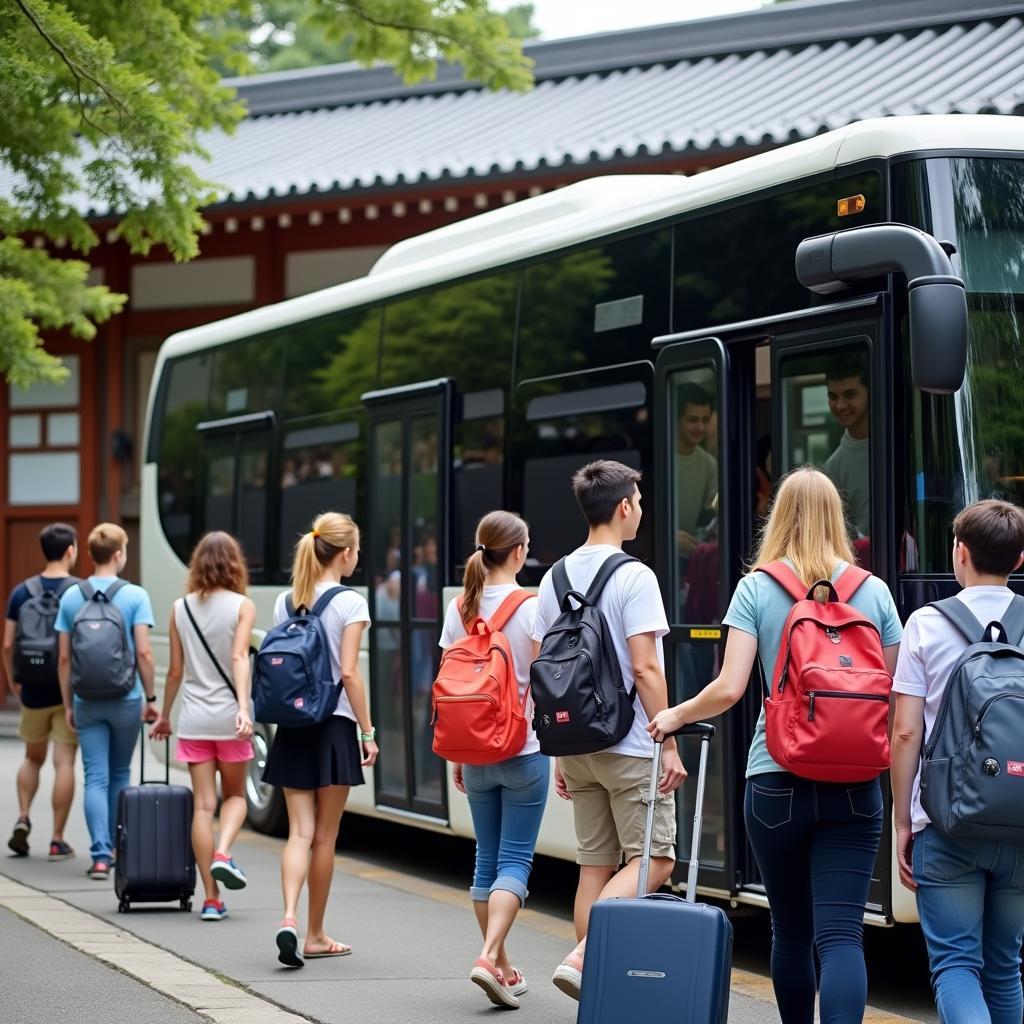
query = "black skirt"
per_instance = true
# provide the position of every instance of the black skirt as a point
(327, 754)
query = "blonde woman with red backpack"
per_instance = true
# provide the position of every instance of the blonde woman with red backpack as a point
(815, 841)
(506, 798)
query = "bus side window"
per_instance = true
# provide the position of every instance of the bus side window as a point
(826, 423)
(478, 465)
(695, 494)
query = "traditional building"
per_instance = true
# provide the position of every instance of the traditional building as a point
(334, 164)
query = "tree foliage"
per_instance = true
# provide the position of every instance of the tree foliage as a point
(102, 106)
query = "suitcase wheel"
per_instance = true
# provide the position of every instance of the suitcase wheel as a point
(123, 906)
(185, 904)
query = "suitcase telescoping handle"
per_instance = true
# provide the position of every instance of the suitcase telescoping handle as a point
(143, 740)
(705, 731)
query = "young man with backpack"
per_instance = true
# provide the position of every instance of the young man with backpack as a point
(608, 786)
(30, 659)
(106, 681)
(959, 804)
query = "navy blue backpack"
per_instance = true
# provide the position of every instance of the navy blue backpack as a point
(293, 684)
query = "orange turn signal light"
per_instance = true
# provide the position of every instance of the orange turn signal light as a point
(850, 205)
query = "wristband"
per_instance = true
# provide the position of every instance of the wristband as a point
(151, 700)
(366, 737)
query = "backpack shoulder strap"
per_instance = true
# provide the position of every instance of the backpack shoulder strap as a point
(508, 608)
(1013, 621)
(962, 617)
(65, 585)
(289, 605)
(786, 578)
(850, 581)
(560, 580)
(34, 586)
(325, 599)
(87, 589)
(114, 588)
(605, 573)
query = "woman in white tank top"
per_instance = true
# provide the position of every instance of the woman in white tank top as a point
(210, 633)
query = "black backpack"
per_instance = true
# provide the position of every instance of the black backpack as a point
(972, 767)
(35, 639)
(580, 702)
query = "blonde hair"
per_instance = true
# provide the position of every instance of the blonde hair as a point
(498, 534)
(105, 540)
(807, 526)
(331, 532)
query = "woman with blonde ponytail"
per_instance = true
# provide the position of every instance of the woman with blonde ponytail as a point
(316, 766)
(506, 799)
(815, 842)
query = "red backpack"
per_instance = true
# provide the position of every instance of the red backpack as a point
(828, 713)
(478, 716)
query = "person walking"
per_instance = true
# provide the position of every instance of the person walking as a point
(30, 660)
(506, 799)
(210, 632)
(970, 890)
(815, 842)
(105, 672)
(316, 766)
(608, 789)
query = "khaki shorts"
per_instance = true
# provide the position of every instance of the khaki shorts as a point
(609, 805)
(38, 725)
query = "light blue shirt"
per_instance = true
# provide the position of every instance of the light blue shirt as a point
(760, 607)
(131, 601)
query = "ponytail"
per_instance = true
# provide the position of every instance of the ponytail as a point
(498, 534)
(331, 532)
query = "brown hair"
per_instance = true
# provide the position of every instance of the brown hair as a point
(600, 486)
(806, 525)
(105, 541)
(217, 563)
(331, 532)
(498, 534)
(993, 532)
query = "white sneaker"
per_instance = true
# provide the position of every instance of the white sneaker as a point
(568, 980)
(517, 983)
(493, 983)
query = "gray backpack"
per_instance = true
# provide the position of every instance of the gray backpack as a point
(102, 663)
(972, 767)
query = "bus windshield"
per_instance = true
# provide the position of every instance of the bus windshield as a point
(970, 445)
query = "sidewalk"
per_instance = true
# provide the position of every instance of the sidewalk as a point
(414, 940)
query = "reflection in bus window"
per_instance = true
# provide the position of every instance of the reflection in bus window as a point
(695, 494)
(478, 465)
(251, 511)
(826, 419)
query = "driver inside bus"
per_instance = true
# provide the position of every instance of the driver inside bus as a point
(849, 401)
(696, 468)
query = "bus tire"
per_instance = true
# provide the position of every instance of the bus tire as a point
(267, 810)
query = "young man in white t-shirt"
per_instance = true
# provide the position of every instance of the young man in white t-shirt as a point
(608, 788)
(849, 467)
(970, 892)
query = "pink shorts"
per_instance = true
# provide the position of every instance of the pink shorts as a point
(198, 751)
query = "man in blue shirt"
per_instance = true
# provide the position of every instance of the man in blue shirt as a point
(108, 729)
(42, 713)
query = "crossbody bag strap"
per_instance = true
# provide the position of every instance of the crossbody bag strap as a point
(206, 647)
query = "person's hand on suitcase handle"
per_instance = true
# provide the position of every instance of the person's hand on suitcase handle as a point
(670, 723)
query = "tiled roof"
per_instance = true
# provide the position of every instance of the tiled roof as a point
(732, 83)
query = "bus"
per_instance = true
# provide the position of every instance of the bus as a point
(713, 331)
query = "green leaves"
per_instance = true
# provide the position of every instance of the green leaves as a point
(101, 103)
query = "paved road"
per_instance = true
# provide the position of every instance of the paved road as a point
(413, 935)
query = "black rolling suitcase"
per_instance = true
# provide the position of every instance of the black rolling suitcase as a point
(658, 957)
(155, 863)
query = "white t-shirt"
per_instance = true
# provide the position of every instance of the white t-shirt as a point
(849, 469)
(930, 648)
(345, 609)
(519, 633)
(631, 604)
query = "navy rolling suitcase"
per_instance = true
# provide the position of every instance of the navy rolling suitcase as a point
(155, 863)
(658, 957)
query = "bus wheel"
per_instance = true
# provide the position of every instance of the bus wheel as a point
(267, 811)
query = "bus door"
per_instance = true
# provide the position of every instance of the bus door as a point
(695, 555)
(235, 456)
(406, 550)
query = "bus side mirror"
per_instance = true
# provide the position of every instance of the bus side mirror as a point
(937, 298)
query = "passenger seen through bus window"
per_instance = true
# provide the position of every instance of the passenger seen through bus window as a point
(696, 467)
(849, 401)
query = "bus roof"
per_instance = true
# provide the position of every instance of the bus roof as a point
(603, 206)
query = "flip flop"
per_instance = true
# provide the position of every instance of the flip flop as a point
(337, 949)
(288, 946)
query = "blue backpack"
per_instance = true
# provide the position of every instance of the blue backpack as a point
(292, 683)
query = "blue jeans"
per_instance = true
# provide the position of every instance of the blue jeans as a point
(507, 803)
(107, 733)
(970, 898)
(815, 843)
